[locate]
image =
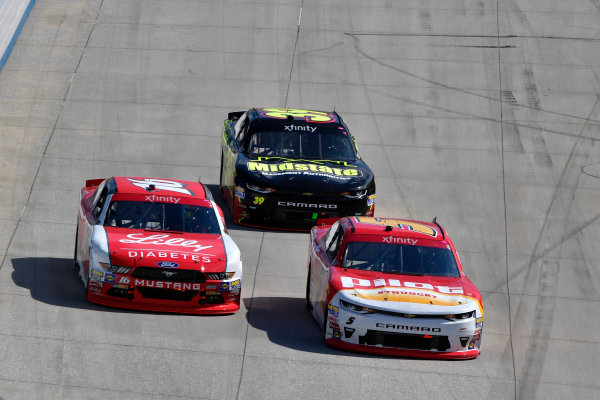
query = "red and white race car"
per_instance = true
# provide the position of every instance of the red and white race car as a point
(391, 286)
(156, 244)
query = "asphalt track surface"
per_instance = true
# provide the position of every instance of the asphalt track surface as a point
(483, 113)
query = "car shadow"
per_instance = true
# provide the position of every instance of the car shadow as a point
(54, 281)
(288, 323)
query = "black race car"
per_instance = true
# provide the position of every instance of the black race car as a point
(285, 168)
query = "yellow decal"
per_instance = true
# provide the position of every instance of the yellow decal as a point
(311, 116)
(409, 295)
(402, 224)
(259, 200)
(288, 166)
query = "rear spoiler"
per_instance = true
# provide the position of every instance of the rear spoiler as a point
(93, 182)
(235, 115)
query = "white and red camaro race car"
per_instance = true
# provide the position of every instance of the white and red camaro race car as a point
(156, 244)
(394, 287)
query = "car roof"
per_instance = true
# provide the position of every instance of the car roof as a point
(396, 227)
(281, 116)
(158, 186)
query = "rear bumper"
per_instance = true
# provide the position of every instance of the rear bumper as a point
(279, 211)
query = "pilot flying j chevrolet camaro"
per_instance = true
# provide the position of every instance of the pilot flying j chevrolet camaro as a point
(287, 167)
(156, 244)
(394, 287)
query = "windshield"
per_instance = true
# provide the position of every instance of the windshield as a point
(162, 216)
(400, 259)
(321, 146)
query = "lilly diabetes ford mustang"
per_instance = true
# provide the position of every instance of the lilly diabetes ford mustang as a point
(394, 287)
(156, 244)
(284, 167)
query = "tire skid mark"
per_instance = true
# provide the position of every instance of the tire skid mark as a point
(425, 20)
(371, 111)
(422, 78)
(483, 118)
(514, 8)
(533, 98)
(596, 3)
(551, 239)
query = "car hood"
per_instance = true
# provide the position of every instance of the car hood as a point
(402, 293)
(136, 248)
(306, 175)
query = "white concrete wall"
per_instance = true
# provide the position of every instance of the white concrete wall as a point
(13, 14)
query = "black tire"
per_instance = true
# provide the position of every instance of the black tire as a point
(221, 187)
(324, 327)
(75, 263)
(307, 299)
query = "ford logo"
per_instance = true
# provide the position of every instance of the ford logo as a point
(167, 264)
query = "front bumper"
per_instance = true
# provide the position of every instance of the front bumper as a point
(434, 338)
(285, 209)
(199, 297)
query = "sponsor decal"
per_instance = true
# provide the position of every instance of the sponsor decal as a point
(159, 284)
(407, 327)
(349, 282)
(94, 290)
(163, 199)
(402, 224)
(164, 254)
(110, 278)
(161, 184)
(398, 240)
(240, 192)
(309, 116)
(479, 323)
(224, 287)
(333, 310)
(287, 167)
(337, 334)
(334, 325)
(96, 275)
(236, 286)
(94, 283)
(119, 286)
(164, 240)
(167, 264)
(302, 128)
(306, 205)
(370, 200)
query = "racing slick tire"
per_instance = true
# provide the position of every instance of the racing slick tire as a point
(307, 300)
(221, 187)
(75, 263)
